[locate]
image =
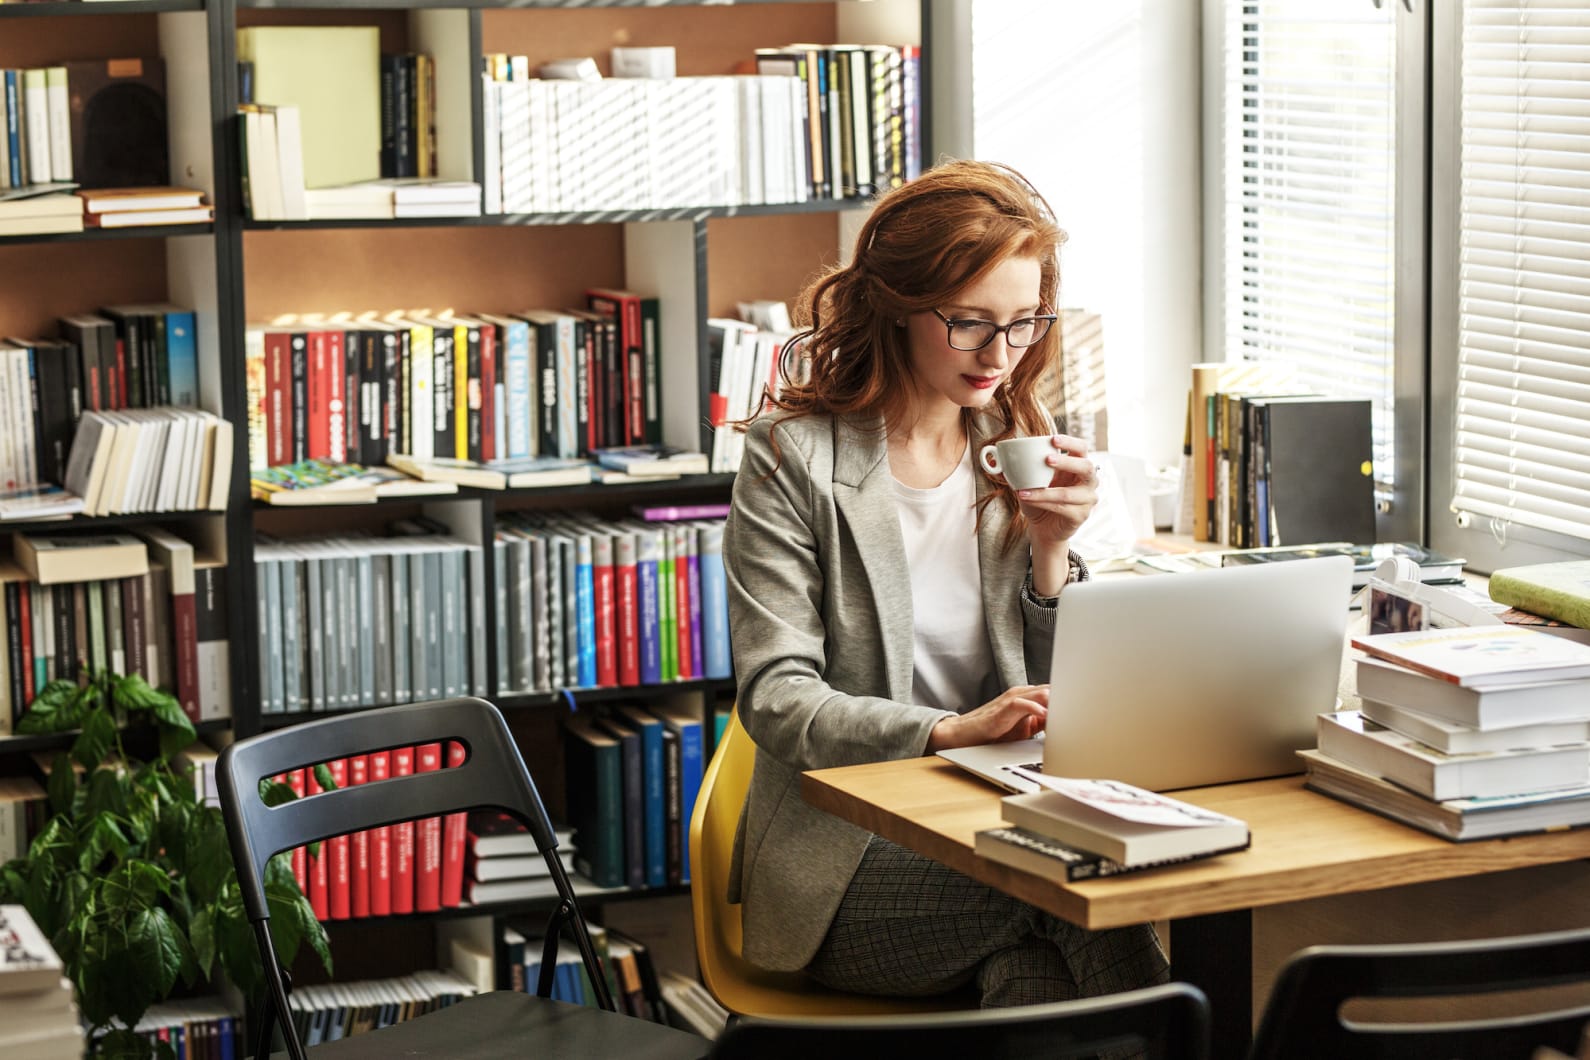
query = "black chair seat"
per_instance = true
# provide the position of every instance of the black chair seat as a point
(505, 1025)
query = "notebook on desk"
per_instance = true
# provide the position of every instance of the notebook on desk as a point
(1205, 678)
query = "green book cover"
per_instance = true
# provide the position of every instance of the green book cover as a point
(595, 776)
(1553, 590)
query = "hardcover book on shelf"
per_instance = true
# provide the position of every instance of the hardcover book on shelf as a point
(1456, 819)
(666, 461)
(45, 501)
(1482, 657)
(1120, 821)
(1348, 737)
(1554, 590)
(1524, 703)
(50, 559)
(312, 482)
(42, 214)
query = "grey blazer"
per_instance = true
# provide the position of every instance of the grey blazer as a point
(821, 624)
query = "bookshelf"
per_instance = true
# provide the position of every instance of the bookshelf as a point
(698, 260)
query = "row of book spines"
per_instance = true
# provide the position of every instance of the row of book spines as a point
(408, 115)
(35, 125)
(631, 974)
(544, 383)
(129, 358)
(633, 776)
(863, 113)
(194, 1030)
(349, 624)
(650, 605)
(413, 867)
(1239, 474)
(136, 625)
(327, 1012)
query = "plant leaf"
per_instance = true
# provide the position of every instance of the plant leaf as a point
(123, 1044)
(202, 934)
(104, 839)
(286, 929)
(275, 793)
(96, 739)
(234, 939)
(105, 794)
(323, 778)
(160, 947)
(62, 784)
(57, 708)
(207, 856)
(133, 694)
(314, 933)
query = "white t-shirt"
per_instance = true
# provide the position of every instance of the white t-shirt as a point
(952, 658)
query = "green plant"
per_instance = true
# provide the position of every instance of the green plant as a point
(131, 877)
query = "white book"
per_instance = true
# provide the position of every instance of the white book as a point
(1449, 736)
(752, 122)
(290, 162)
(1121, 821)
(264, 174)
(491, 182)
(1347, 737)
(36, 111)
(800, 142)
(58, 101)
(28, 964)
(25, 460)
(542, 147)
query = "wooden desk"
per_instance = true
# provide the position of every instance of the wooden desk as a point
(1305, 845)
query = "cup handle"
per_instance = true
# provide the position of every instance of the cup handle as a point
(989, 456)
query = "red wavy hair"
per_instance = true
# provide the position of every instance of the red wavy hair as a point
(924, 243)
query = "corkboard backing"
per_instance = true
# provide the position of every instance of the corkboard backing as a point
(34, 42)
(468, 269)
(66, 278)
(707, 40)
(766, 257)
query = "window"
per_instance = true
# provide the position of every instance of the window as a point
(1309, 148)
(1511, 320)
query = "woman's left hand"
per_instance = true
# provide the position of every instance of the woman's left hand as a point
(1055, 514)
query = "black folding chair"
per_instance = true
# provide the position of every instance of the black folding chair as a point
(502, 1024)
(1169, 1022)
(1303, 1017)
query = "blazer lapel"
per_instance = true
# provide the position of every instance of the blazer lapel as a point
(1002, 573)
(864, 495)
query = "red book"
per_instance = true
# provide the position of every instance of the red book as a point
(606, 626)
(318, 421)
(454, 826)
(427, 840)
(295, 780)
(403, 842)
(687, 667)
(488, 391)
(278, 398)
(627, 609)
(185, 644)
(336, 401)
(380, 883)
(319, 880)
(338, 864)
(24, 619)
(359, 846)
(624, 307)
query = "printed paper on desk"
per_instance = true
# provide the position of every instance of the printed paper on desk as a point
(1119, 799)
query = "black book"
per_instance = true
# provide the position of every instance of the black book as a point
(298, 349)
(157, 366)
(93, 335)
(128, 375)
(66, 663)
(1320, 472)
(372, 395)
(544, 386)
(19, 699)
(352, 395)
(613, 361)
(474, 396)
(53, 421)
(673, 800)
(394, 355)
(389, 109)
(442, 396)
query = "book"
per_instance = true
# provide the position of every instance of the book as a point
(516, 867)
(496, 474)
(1456, 819)
(1482, 657)
(666, 513)
(50, 559)
(1036, 853)
(312, 482)
(28, 964)
(1349, 737)
(1529, 703)
(1319, 464)
(1120, 821)
(644, 460)
(43, 501)
(1444, 735)
(1554, 590)
(492, 834)
(193, 215)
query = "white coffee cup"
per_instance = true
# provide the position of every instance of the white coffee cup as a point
(1023, 461)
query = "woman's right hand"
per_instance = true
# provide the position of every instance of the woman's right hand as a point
(1015, 714)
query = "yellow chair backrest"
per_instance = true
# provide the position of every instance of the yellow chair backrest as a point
(738, 985)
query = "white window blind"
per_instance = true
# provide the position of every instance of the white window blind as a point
(1523, 394)
(1309, 131)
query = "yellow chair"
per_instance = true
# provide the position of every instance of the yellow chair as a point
(738, 985)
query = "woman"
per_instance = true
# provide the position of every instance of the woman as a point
(887, 600)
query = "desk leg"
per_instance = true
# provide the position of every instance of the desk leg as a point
(1215, 954)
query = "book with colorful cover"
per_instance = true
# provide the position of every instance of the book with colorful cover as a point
(311, 482)
(1482, 657)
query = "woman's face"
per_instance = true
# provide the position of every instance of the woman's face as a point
(948, 379)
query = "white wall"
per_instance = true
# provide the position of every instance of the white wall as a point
(1098, 105)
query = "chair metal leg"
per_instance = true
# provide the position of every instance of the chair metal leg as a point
(276, 987)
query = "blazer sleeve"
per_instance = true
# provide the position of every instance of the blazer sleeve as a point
(772, 557)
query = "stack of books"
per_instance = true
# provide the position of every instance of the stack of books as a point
(647, 463)
(26, 215)
(38, 1013)
(1079, 829)
(1467, 733)
(136, 207)
(502, 864)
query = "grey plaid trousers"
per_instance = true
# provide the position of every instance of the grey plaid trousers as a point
(909, 926)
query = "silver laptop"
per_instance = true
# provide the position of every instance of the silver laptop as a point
(1183, 680)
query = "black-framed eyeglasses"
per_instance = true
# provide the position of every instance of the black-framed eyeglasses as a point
(975, 334)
